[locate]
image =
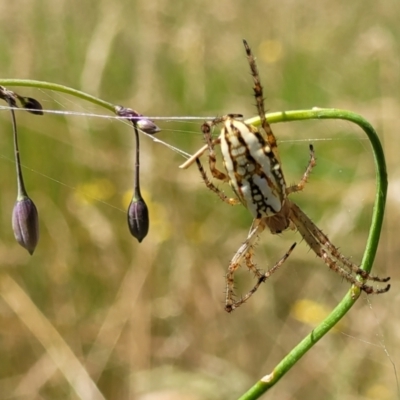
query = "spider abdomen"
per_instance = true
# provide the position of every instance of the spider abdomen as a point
(254, 173)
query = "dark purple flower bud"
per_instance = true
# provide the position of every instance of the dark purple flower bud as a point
(143, 124)
(147, 126)
(32, 104)
(138, 218)
(25, 223)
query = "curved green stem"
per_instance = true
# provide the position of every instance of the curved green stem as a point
(58, 88)
(370, 250)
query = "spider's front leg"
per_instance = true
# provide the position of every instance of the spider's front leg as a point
(212, 159)
(216, 173)
(311, 164)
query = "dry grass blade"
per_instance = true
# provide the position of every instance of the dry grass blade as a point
(47, 335)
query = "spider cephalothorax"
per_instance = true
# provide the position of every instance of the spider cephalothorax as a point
(253, 169)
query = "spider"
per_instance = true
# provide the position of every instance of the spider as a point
(253, 170)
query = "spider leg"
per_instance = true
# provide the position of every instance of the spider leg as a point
(229, 200)
(324, 249)
(216, 173)
(212, 159)
(311, 164)
(246, 252)
(259, 96)
(244, 249)
(261, 278)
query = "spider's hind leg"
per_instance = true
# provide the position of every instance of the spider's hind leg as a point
(246, 252)
(323, 247)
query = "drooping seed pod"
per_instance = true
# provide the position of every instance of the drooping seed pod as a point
(138, 213)
(138, 218)
(25, 223)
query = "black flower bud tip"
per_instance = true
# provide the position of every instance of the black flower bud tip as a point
(138, 218)
(144, 124)
(32, 105)
(25, 223)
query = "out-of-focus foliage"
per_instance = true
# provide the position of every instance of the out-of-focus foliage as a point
(146, 321)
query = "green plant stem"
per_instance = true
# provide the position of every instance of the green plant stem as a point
(58, 88)
(370, 249)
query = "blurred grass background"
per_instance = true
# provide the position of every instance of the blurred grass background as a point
(94, 315)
